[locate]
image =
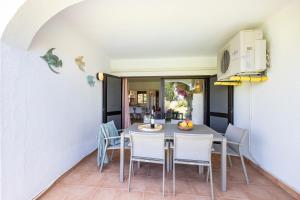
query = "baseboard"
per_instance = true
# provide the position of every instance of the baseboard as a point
(42, 193)
(275, 180)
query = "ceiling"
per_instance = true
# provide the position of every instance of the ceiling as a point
(165, 28)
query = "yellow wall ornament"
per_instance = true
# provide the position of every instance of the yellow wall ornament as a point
(80, 63)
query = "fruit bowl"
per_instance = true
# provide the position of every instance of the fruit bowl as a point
(185, 125)
(185, 128)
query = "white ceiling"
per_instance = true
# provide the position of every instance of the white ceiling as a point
(166, 28)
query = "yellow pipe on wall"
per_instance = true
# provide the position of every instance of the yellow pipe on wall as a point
(228, 83)
(249, 78)
(237, 80)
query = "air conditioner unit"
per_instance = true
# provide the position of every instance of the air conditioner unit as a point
(244, 54)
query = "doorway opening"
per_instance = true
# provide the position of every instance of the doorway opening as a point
(184, 99)
(144, 96)
(194, 98)
(170, 98)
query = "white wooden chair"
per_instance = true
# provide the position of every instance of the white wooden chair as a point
(167, 144)
(138, 112)
(235, 140)
(146, 119)
(192, 149)
(149, 148)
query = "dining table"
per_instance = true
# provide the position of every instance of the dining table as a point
(169, 130)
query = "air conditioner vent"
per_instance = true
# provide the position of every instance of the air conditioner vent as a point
(225, 61)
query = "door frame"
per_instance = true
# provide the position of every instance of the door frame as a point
(104, 99)
(206, 79)
(229, 115)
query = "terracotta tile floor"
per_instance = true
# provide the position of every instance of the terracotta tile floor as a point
(84, 182)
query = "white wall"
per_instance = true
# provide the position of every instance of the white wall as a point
(274, 138)
(8, 10)
(198, 108)
(49, 121)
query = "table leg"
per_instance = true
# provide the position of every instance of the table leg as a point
(200, 169)
(167, 160)
(139, 164)
(224, 165)
(122, 158)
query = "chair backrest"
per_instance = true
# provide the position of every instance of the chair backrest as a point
(175, 121)
(159, 121)
(101, 143)
(148, 145)
(104, 131)
(131, 110)
(138, 110)
(109, 129)
(193, 146)
(236, 135)
(146, 119)
(177, 115)
(112, 129)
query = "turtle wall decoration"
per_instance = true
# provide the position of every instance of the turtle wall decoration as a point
(53, 61)
(80, 63)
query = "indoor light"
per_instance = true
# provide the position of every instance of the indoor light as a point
(198, 87)
(100, 76)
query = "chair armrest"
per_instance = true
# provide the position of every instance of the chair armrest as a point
(235, 143)
(109, 138)
(220, 133)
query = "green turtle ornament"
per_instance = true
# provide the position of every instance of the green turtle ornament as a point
(52, 60)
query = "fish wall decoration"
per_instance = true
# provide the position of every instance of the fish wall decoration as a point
(91, 80)
(80, 63)
(53, 61)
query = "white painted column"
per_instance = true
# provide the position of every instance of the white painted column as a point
(198, 108)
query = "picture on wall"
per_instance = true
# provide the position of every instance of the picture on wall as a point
(91, 80)
(53, 61)
(80, 63)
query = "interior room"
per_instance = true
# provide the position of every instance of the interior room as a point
(136, 99)
(143, 95)
(179, 98)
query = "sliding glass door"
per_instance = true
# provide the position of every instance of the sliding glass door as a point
(184, 99)
(112, 100)
(220, 105)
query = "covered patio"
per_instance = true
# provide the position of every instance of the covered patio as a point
(209, 86)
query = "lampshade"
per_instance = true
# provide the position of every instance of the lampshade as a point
(197, 87)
